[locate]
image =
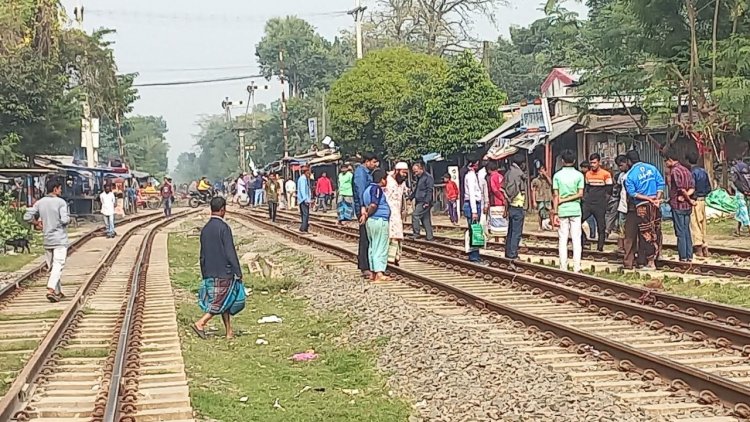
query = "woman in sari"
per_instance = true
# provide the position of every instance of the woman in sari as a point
(395, 190)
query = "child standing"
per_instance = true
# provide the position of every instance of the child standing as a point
(451, 197)
(742, 216)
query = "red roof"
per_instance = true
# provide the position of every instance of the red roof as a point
(564, 75)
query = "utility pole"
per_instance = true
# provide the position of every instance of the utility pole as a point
(251, 100)
(358, 13)
(284, 128)
(324, 117)
(226, 105)
(89, 126)
(486, 55)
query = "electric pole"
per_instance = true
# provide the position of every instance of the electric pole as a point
(284, 128)
(324, 119)
(358, 13)
(89, 126)
(226, 105)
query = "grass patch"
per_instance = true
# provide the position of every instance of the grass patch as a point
(84, 353)
(725, 293)
(12, 263)
(18, 345)
(51, 314)
(222, 372)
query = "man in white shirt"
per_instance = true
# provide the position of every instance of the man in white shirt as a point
(472, 202)
(108, 200)
(241, 188)
(291, 193)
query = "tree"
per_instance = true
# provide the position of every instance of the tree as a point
(436, 27)
(363, 102)
(465, 108)
(310, 61)
(146, 144)
(187, 168)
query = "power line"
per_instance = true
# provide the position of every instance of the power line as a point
(198, 81)
(192, 69)
(203, 17)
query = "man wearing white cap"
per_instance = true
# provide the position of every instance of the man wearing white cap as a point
(395, 190)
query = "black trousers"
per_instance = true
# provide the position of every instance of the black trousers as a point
(272, 208)
(304, 212)
(363, 261)
(599, 211)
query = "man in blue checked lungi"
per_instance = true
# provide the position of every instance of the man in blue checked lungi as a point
(222, 291)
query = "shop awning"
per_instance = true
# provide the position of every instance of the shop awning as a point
(497, 133)
(505, 147)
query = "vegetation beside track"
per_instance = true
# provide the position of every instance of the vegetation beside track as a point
(239, 380)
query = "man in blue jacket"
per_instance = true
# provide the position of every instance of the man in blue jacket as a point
(304, 197)
(363, 179)
(645, 187)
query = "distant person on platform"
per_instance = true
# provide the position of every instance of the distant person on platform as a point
(291, 193)
(567, 188)
(323, 192)
(346, 194)
(599, 184)
(167, 195)
(304, 197)
(681, 190)
(272, 196)
(362, 181)
(50, 214)
(698, 221)
(222, 292)
(516, 185)
(258, 186)
(541, 195)
(451, 198)
(422, 196)
(108, 203)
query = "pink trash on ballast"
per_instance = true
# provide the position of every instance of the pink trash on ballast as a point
(303, 357)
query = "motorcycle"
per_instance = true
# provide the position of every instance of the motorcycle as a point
(197, 199)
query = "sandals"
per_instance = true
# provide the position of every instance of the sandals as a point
(53, 298)
(200, 333)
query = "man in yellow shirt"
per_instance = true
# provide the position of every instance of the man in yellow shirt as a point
(204, 187)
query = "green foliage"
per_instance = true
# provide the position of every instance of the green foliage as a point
(404, 104)
(466, 106)
(310, 61)
(363, 103)
(11, 221)
(145, 144)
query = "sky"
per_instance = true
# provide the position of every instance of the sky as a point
(208, 40)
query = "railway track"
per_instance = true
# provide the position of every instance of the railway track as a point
(82, 358)
(735, 268)
(615, 344)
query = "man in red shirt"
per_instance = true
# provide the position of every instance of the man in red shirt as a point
(323, 190)
(681, 188)
(451, 197)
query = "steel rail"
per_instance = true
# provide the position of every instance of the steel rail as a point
(23, 386)
(112, 406)
(731, 315)
(730, 393)
(714, 250)
(8, 289)
(531, 279)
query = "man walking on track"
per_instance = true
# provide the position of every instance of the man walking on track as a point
(681, 188)
(272, 196)
(167, 196)
(304, 196)
(222, 292)
(567, 188)
(698, 221)
(108, 200)
(515, 190)
(599, 186)
(50, 214)
(645, 187)
(362, 181)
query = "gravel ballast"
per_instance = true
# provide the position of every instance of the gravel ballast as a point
(449, 370)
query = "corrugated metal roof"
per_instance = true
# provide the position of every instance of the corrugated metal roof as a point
(508, 124)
